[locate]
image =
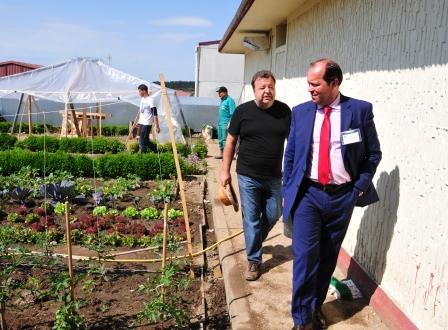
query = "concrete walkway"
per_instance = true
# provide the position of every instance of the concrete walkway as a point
(266, 303)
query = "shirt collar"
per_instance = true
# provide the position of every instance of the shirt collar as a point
(334, 104)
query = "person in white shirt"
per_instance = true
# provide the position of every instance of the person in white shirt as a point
(147, 117)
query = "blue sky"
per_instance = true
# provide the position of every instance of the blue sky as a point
(143, 38)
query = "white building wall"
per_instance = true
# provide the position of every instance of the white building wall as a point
(214, 69)
(255, 61)
(395, 55)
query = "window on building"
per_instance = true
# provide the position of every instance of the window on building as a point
(280, 35)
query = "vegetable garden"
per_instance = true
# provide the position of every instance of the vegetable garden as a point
(106, 205)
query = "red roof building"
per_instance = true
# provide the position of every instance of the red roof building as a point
(9, 68)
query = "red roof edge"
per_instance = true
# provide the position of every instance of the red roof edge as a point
(240, 13)
(27, 65)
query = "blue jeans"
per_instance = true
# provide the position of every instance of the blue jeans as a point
(144, 137)
(261, 205)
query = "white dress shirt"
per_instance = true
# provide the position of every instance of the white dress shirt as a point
(339, 174)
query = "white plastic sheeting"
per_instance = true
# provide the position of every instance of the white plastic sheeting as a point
(199, 111)
(87, 81)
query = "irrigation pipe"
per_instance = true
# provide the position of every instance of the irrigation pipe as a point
(85, 269)
(147, 261)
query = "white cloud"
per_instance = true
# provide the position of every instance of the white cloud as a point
(179, 37)
(194, 21)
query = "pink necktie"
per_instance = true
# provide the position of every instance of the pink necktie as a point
(324, 173)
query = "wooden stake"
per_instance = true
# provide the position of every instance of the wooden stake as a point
(69, 248)
(133, 126)
(17, 113)
(165, 239)
(21, 122)
(167, 108)
(3, 316)
(100, 120)
(84, 122)
(43, 115)
(30, 119)
(97, 120)
(75, 120)
(64, 126)
(165, 235)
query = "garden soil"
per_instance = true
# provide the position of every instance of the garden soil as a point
(116, 302)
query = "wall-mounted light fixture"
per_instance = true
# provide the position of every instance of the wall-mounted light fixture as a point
(256, 43)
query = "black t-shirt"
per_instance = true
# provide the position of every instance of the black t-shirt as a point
(262, 136)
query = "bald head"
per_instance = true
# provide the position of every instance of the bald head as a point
(332, 70)
(324, 77)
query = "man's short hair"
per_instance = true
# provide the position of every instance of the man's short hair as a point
(143, 87)
(221, 89)
(262, 74)
(332, 70)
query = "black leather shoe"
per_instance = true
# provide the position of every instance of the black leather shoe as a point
(308, 326)
(319, 321)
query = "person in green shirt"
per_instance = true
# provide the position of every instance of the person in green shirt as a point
(226, 109)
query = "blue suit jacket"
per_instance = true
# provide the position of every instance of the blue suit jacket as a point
(360, 159)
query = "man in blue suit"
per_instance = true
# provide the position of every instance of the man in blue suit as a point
(330, 159)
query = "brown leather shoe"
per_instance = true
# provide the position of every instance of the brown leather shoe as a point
(253, 271)
(319, 321)
(308, 326)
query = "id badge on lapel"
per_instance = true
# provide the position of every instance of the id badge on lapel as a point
(351, 136)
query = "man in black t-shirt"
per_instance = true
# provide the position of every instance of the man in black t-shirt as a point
(262, 126)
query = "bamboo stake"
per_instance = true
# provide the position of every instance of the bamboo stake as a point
(167, 108)
(69, 249)
(165, 238)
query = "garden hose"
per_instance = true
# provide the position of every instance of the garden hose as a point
(147, 261)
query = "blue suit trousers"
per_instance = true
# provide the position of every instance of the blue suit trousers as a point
(320, 222)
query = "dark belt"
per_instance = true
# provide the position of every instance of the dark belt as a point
(330, 188)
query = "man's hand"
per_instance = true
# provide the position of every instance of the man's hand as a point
(157, 128)
(225, 177)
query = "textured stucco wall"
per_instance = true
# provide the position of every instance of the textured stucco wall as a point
(395, 55)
